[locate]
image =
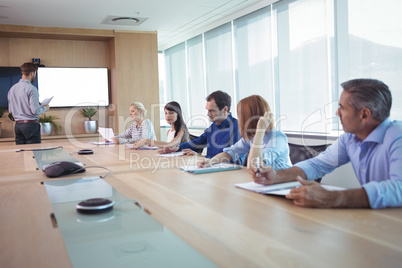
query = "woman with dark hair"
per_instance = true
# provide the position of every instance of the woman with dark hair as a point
(177, 134)
(256, 125)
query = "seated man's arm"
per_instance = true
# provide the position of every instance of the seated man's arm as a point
(388, 193)
(195, 144)
(312, 194)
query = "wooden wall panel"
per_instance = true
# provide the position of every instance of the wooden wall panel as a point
(4, 52)
(136, 61)
(59, 33)
(113, 95)
(131, 57)
(59, 53)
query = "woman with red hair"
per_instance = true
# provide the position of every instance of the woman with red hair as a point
(260, 139)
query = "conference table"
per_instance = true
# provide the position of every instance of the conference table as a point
(226, 225)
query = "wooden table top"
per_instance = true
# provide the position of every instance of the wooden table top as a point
(239, 228)
(230, 226)
(21, 166)
(28, 236)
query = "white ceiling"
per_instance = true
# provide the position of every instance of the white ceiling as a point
(172, 19)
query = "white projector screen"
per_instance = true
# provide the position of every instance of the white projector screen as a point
(74, 86)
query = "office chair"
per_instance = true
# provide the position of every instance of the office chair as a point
(198, 150)
(298, 152)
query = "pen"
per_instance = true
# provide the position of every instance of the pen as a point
(279, 189)
(257, 166)
(145, 210)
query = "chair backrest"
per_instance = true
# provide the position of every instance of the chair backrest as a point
(192, 137)
(298, 152)
(198, 150)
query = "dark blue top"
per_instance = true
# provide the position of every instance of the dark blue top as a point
(216, 137)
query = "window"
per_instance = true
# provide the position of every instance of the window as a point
(175, 80)
(254, 54)
(305, 37)
(295, 54)
(375, 44)
(162, 91)
(219, 59)
(196, 83)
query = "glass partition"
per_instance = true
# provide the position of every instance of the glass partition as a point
(126, 236)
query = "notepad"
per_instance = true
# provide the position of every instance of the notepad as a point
(131, 146)
(101, 142)
(280, 188)
(107, 133)
(214, 168)
(174, 154)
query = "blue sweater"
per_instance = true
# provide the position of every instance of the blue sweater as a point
(216, 137)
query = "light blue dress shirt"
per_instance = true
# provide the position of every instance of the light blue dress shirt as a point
(275, 150)
(23, 101)
(377, 162)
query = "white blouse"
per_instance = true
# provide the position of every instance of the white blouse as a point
(134, 133)
(170, 135)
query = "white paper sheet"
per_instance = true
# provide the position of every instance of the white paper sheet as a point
(46, 101)
(107, 133)
(174, 154)
(280, 188)
(101, 142)
(131, 146)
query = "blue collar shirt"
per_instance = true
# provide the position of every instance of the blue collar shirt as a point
(377, 162)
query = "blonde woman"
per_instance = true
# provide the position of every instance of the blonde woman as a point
(141, 128)
(177, 134)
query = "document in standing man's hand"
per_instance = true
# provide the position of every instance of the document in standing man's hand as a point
(46, 101)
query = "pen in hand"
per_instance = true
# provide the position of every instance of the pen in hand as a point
(257, 166)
